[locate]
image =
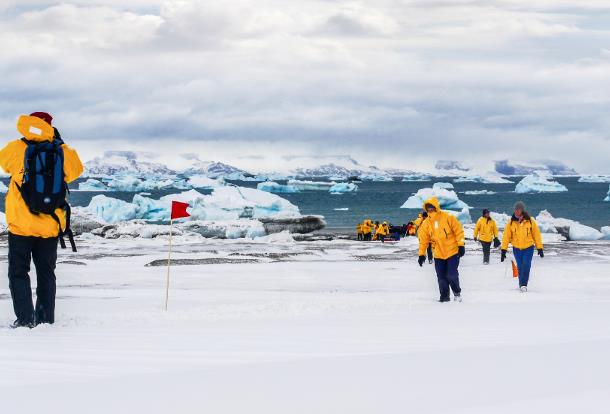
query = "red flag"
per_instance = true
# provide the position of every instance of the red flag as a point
(179, 210)
(515, 269)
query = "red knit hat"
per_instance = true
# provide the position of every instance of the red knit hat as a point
(44, 116)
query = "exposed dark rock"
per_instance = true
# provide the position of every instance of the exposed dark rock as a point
(300, 225)
(204, 261)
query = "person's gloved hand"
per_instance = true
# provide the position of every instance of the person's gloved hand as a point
(461, 251)
(57, 137)
(540, 252)
(421, 260)
(496, 242)
(503, 256)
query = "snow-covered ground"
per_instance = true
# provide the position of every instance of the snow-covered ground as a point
(310, 327)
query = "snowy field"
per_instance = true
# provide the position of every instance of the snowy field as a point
(310, 327)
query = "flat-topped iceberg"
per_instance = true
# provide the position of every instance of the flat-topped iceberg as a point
(273, 187)
(446, 186)
(203, 181)
(594, 178)
(479, 192)
(225, 203)
(311, 185)
(341, 188)
(539, 183)
(376, 177)
(489, 178)
(416, 177)
(448, 199)
(132, 183)
(92, 184)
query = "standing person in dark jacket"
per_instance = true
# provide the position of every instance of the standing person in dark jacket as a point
(485, 232)
(33, 236)
(523, 233)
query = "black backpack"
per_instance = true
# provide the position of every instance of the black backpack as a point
(44, 188)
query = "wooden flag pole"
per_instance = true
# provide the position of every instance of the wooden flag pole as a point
(169, 262)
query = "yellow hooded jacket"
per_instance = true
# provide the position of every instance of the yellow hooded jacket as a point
(485, 229)
(367, 227)
(441, 230)
(20, 221)
(522, 234)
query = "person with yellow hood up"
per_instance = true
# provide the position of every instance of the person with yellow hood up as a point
(523, 233)
(367, 230)
(486, 231)
(37, 214)
(359, 231)
(445, 233)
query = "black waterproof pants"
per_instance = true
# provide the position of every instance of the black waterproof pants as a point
(21, 250)
(486, 251)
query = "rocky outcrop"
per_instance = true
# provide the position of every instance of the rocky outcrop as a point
(299, 225)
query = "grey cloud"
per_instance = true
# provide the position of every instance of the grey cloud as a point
(328, 76)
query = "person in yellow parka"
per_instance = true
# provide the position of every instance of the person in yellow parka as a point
(359, 233)
(367, 230)
(486, 231)
(445, 233)
(33, 234)
(382, 231)
(523, 233)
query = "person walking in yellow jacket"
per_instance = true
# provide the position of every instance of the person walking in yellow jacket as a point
(367, 230)
(523, 233)
(359, 233)
(33, 234)
(486, 231)
(381, 231)
(446, 235)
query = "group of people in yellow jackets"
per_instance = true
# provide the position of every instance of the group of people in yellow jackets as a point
(441, 236)
(367, 230)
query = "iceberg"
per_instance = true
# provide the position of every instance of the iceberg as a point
(479, 192)
(446, 186)
(203, 181)
(416, 177)
(111, 210)
(311, 185)
(3, 188)
(606, 232)
(501, 219)
(489, 178)
(608, 196)
(92, 185)
(225, 203)
(539, 182)
(594, 178)
(572, 229)
(448, 199)
(273, 187)
(132, 183)
(376, 177)
(463, 216)
(341, 188)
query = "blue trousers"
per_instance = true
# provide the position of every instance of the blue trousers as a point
(523, 257)
(448, 276)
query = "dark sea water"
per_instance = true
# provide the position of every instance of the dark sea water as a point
(382, 200)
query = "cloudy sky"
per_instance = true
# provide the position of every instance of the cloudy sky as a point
(391, 82)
